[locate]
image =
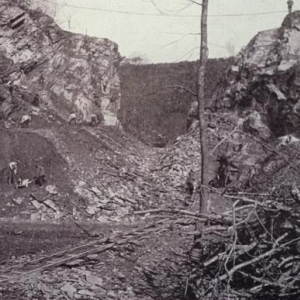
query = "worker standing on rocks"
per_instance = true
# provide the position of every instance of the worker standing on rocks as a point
(190, 187)
(26, 119)
(13, 174)
(72, 119)
(40, 178)
(94, 120)
(290, 4)
(42, 79)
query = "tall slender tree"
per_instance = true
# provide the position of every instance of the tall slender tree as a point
(204, 201)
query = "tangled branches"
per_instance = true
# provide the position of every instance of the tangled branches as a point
(256, 257)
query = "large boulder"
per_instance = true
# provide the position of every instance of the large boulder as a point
(69, 72)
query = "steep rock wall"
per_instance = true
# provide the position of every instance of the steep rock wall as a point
(69, 72)
(261, 96)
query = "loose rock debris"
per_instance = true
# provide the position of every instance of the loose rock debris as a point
(85, 273)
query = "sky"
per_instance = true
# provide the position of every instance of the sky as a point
(168, 30)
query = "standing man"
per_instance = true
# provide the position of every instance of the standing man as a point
(26, 119)
(94, 120)
(40, 178)
(42, 79)
(13, 176)
(72, 119)
(290, 4)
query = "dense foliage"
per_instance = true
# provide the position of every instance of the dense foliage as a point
(156, 100)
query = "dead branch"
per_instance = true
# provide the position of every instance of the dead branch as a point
(254, 260)
(101, 245)
(162, 210)
(263, 281)
(181, 87)
(200, 216)
(195, 2)
(234, 241)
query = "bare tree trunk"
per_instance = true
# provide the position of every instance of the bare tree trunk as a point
(201, 105)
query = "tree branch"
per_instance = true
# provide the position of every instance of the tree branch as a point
(254, 260)
(195, 2)
(181, 87)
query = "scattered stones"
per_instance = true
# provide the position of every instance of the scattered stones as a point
(91, 210)
(102, 219)
(94, 280)
(86, 293)
(51, 189)
(39, 195)
(18, 200)
(50, 204)
(36, 204)
(74, 263)
(69, 289)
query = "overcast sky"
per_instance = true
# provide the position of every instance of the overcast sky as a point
(168, 32)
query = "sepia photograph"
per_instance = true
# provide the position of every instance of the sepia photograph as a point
(149, 149)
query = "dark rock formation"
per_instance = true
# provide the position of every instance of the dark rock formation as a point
(263, 90)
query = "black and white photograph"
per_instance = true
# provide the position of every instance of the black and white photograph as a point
(149, 149)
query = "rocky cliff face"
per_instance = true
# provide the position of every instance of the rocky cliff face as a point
(262, 92)
(67, 72)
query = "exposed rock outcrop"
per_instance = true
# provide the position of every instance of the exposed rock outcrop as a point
(263, 90)
(68, 72)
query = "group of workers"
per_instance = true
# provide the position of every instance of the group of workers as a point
(14, 178)
(74, 120)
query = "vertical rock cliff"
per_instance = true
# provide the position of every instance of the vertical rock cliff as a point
(67, 72)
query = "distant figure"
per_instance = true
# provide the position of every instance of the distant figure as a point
(228, 172)
(290, 4)
(40, 178)
(189, 184)
(13, 166)
(94, 120)
(72, 119)
(13, 175)
(42, 79)
(26, 119)
(10, 87)
(100, 118)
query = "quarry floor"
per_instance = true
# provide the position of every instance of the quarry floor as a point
(120, 271)
(137, 269)
(19, 237)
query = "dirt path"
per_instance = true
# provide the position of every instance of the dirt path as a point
(19, 237)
